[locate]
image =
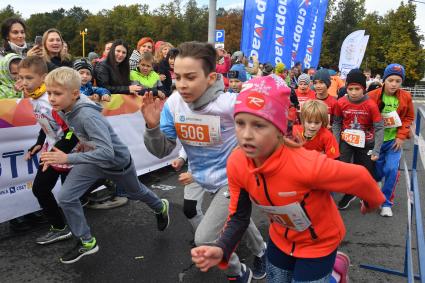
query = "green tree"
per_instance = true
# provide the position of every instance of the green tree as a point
(8, 12)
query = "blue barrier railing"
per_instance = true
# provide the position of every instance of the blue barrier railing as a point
(413, 204)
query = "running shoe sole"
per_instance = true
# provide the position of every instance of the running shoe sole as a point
(348, 204)
(92, 251)
(165, 201)
(61, 238)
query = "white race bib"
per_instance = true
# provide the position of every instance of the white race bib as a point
(391, 119)
(198, 130)
(354, 137)
(290, 216)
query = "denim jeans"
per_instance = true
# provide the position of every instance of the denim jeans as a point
(387, 169)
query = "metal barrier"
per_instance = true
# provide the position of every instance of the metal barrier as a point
(413, 204)
(417, 91)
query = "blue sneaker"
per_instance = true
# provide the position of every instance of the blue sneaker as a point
(245, 277)
(259, 267)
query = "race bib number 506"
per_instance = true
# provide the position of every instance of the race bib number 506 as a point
(198, 130)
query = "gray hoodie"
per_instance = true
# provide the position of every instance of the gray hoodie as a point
(101, 145)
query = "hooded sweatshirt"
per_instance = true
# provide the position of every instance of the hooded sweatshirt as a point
(206, 130)
(101, 144)
(7, 89)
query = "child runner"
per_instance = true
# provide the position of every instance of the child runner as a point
(313, 129)
(85, 69)
(237, 76)
(358, 128)
(397, 111)
(147, 77)
(321, 83)
(304, 92)
(105, 156)
(201, 116)
(53, 134)
(291, 185)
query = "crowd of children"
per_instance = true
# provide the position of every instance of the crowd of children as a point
(253, 135)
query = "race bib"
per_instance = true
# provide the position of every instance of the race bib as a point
(198, 130)
(354, 137)
(290, 216)
(391, 119)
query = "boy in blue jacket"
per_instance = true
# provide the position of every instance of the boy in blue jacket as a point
(85, 69)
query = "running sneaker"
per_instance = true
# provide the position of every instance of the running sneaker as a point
(54, 235)
(163, 218)
(259, 266)
(81, 249)
(345, 201)
(386, 211)
(341, 266)
(244, 277)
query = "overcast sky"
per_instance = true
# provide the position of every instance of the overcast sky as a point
(26, 8)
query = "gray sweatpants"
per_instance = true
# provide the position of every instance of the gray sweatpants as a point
(82, 177)
(212, 224)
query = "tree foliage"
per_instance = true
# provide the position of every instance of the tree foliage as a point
(393, 37)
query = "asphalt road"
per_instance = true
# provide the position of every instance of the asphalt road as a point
(132, 250)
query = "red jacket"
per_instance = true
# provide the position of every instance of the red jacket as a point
(288, 176)
(405, 109)
(324, 141)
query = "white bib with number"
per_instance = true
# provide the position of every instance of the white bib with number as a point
(391, 119)
(354, 137)
(198, 130)
(290, 216)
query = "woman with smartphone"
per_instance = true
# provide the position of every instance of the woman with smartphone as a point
(54, 53)
(13, 35)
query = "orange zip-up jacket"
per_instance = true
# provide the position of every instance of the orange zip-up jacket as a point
(405, 109)
(292, 175)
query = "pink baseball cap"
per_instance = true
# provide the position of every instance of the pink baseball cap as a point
(266, 97)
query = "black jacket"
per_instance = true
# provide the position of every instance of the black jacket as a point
(56, 62)
(105, 77)
(163, 68)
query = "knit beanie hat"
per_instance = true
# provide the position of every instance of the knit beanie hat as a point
(304, 78)
(323, 75)
(394, 69)
(279, 68)
(355, 76)
(267, 69)
(238, 72)
(92, 55)
(266, 97)
(83, 63)
(143, 41)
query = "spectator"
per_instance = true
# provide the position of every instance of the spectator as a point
(147, 77)
(166, 67)
(9, 75)
(145, 44)
(223, 63)
(161, 52)
(13, 35)
(53, 50)
(114, 72)
(105, 53)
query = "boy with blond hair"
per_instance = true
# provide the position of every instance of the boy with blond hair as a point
(104, 156)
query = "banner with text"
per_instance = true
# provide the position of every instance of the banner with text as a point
(287, 31)
(352, 52)
(19, 130)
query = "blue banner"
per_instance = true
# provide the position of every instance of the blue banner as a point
(287, 31)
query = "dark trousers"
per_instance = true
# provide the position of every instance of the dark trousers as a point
(43, 185)
(357, 155)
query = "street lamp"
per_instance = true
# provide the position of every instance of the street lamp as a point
(83, 34)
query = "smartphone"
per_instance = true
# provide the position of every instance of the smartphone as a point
(38, 39)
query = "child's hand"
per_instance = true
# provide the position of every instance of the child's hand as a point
(135, 89)
(373, 157)
(177, 164)
(151, 109)
(206, 257)
(106, 97)
(55, 156)
(162, 77)
(398, 143)
(185, 178)
(161, 94)
(365, 208)
(19, 85)
(32, 151)
(94, 97)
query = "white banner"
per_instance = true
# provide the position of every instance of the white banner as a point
(16, 174)
(352, 52)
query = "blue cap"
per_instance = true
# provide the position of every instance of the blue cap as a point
(394, 69)
(240, 68)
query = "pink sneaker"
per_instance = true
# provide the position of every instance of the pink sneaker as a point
(342, 263)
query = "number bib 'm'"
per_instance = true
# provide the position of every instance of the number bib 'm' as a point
(391, 119)
(198, 130)
(354, 137)
(290, 216)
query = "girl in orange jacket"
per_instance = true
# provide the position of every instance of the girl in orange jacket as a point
(291, 185)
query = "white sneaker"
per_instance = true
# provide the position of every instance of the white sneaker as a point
(386, 212)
